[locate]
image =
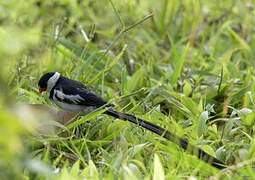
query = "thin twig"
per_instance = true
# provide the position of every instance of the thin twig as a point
(221, 78)
(123, 31)
(117, 14)
(137, 23)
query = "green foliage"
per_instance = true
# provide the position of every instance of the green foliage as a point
(189, 68)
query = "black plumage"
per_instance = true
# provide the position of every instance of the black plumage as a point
(71, 87)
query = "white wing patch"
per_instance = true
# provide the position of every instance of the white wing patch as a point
(70, 107)
(74, 98)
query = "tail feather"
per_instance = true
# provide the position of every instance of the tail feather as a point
(183, 143)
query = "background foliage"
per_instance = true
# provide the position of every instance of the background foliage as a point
(185, 65)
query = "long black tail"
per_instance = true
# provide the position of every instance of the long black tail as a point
(183, 143)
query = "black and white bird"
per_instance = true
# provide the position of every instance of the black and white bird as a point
(68, 94)
(71, 95)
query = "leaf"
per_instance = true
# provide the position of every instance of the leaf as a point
(135, 80)
(65, 175)
(190, 104)
(228, 127)
(208, 149)
(248, 119)
(158, 173)
(221, 153)
(74, 48)
(240, 40)
(178, 65)
(90, 172)
(75, 169)
(187, 89)
(128, 173)
(202, 126)
(137, 148)
(251, 152)
(243, 153)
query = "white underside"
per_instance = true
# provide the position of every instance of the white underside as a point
(73, 107)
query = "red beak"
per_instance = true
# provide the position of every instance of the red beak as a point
(41, 90)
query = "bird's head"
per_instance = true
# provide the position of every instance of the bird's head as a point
(48, 81)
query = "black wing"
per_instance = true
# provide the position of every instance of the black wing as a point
(74, 92)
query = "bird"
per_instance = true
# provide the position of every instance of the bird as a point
(74, 96)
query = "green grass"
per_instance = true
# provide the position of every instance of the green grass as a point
(187, 66)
